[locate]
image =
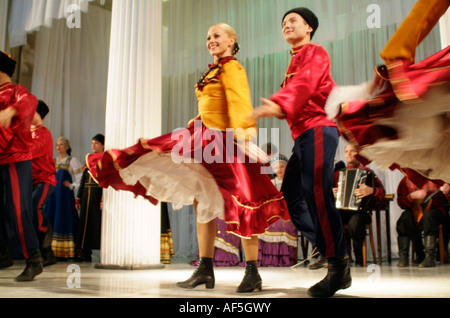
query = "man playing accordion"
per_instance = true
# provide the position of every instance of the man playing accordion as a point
(357, 189)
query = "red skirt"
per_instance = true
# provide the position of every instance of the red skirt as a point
(196, 164)
(406, 125)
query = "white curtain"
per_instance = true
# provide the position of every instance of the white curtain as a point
(353, 47)
(29, 15)
(70, 75)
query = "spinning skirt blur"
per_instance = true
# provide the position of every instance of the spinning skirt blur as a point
(406, 125)
(199, 165)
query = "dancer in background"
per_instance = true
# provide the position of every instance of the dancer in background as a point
(278, 245)
(44, 181)
(206, 166)
(61, 204)
(89, 202)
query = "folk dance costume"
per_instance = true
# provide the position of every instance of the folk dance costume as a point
(278, 246)
(44, 182)
(61, 208)
(89, 233)
(405, 124)
(418, 217)
(16, 184)
(208, 167)
(307, 184)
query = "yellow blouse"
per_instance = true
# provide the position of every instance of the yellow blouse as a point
(225, 101)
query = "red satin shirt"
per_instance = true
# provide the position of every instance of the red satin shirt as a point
(15, 141)
(305, 89)
(42, 150)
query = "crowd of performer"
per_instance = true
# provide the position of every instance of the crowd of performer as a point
(51, 207)
(235, 203)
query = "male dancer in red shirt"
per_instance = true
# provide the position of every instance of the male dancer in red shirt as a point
(309, 173)
(17, 108)
(44, 181)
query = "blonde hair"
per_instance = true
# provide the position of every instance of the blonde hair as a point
(232, 34)
(66, 142)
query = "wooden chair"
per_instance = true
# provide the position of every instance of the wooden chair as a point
(369, 233)
(372, 246)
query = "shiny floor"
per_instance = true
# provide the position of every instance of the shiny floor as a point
(85, 280)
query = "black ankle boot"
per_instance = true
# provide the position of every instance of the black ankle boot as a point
(33, 268)
(5, 259)
(430, 252)
(48, 257)
(403, 251)
(204, 274)
(251, 281)
(338, 277)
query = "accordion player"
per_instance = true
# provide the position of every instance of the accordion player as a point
(348, 181)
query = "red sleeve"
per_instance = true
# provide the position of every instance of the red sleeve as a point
(312, 66)
(40, 141)
(403, 192)
(25, 105)
(379, 191)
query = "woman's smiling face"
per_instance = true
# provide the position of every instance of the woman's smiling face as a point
(218, 42)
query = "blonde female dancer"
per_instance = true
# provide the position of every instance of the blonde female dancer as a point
(204, 166)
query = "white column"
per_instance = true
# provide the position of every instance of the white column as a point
(3, 23)
(444, 26)
(131, 226)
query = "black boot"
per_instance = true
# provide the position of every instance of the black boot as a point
(403, 251)
(430, 252)
(48, 257)
(5, 259)
(251, 281)
(33, 268)
(338, 277)
(204, 274)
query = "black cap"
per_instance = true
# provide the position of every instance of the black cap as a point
(7, 64)
(42, 109)
(100, 138)
(307, 15)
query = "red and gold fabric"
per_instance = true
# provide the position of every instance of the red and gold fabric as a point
(169, 169)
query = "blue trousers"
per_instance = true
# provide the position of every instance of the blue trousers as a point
(16, 209)
(307, 189)
(41, 192)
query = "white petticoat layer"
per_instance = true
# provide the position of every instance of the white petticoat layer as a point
(178, 183)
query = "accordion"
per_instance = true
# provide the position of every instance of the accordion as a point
(349, 180)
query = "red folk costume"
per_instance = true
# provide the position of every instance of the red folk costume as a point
(15, 141)
(405, 125)
(310, 64)
(406, 187)
(42, 151)
(233, 190)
